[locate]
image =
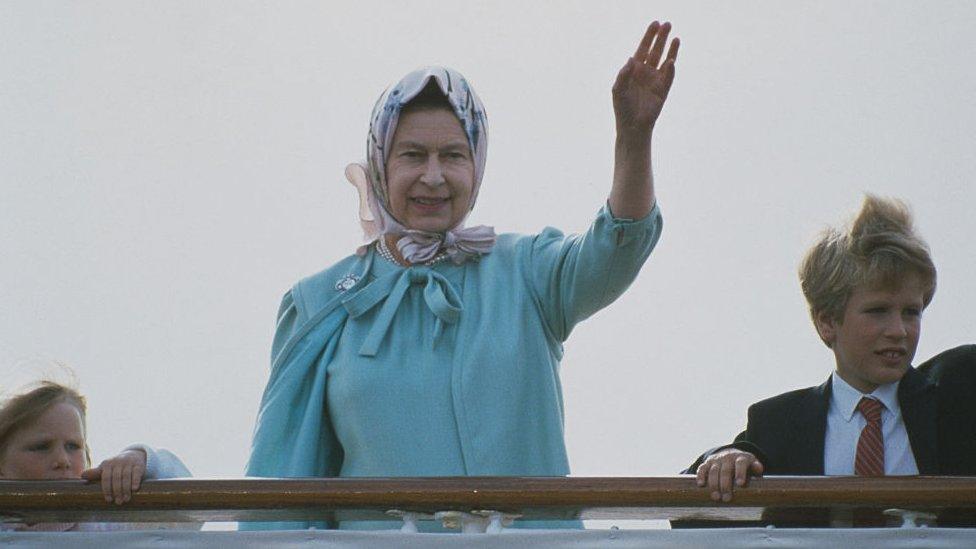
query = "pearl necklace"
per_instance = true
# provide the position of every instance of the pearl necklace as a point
(386, 254)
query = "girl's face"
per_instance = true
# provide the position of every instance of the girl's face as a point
(50, 448)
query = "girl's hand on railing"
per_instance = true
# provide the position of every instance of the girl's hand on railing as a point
(728, 469)
(120, 475)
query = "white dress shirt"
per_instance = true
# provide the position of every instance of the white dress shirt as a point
(844, 425)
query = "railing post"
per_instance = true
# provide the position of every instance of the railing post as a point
(468, 523)
(910, 518)
(409, 519)
(498, 521)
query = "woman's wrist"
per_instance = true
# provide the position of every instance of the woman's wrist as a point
(634, 140)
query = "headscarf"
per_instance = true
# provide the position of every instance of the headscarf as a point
(418, 246)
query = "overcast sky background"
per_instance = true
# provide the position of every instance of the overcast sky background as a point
(169, 169)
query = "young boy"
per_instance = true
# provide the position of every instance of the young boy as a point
(876, 415)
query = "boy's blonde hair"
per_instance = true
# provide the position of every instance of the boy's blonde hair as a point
(878, 249)
(23, 409)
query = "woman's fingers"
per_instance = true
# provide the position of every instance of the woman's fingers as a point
(668, 70)
(673, 50)
(654, 57)
(645, 44)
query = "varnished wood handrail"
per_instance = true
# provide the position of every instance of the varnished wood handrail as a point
(531, 497)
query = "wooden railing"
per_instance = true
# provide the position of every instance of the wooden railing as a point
(531, 498)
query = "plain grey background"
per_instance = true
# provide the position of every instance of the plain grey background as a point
(169, 169)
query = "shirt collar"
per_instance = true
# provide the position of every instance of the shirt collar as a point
(845, 398)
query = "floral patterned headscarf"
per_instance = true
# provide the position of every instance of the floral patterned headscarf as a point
(459, 242)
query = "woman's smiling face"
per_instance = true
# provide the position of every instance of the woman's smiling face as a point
(429, 171)
(50, 448)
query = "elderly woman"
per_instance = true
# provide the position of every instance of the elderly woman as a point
(435, 350)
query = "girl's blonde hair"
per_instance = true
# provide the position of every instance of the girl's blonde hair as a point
(22, 410)
(878, 249)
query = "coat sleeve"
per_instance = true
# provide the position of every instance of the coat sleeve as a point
(744, 441)
(293, 435)
(741, 442)
(574, 276)
(288, 322)
(161, 464)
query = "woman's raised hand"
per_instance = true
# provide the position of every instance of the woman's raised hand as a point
(643, 83)
(120, 475)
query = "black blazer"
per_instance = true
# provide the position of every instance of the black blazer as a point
(938, 404)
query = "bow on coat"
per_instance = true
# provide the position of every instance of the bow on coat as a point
(439, 296)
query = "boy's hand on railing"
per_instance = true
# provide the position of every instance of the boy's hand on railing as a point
(120, 475)
(728, 469)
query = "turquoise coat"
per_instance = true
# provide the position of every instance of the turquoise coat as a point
(504, 318)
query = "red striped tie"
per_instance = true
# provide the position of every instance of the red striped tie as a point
(869, 460)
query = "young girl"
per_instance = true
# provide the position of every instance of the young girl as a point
(43, 437)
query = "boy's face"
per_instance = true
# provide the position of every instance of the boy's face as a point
(875, 341)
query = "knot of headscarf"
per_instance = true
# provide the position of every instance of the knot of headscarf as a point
(417, 246)
(460, 244)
